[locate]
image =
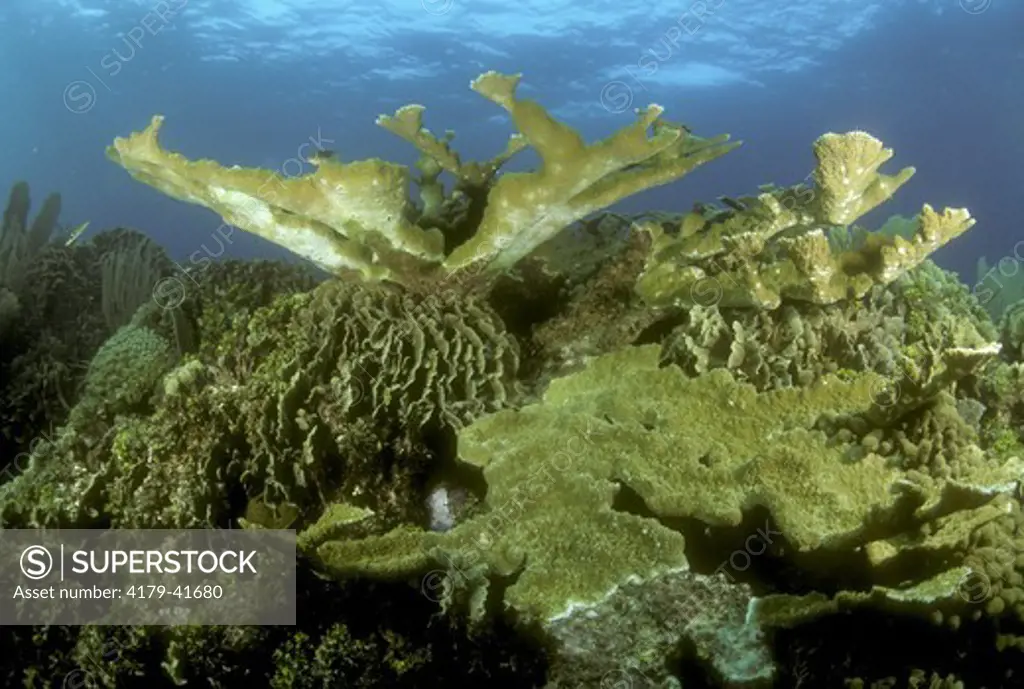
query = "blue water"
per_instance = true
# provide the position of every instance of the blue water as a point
(250, 81)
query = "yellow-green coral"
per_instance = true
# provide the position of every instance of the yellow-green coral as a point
(575, 179)
(847, 179)
(596, 514)
(342, 216)
(691, 448)
(788, 346)
(407, 122)
(341, 659)
(776, 246)
(704, 448)
(356, 216)
(127, 368)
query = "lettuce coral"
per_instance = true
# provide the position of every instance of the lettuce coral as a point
(342, 369)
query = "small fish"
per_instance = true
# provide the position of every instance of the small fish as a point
(76, 232)
(322, 155)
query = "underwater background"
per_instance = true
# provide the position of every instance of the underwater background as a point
(247, 83)
(606, 345)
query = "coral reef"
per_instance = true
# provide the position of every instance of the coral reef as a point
(752, 445)
(69, 303)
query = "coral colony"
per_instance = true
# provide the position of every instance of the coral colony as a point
(751, 445)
